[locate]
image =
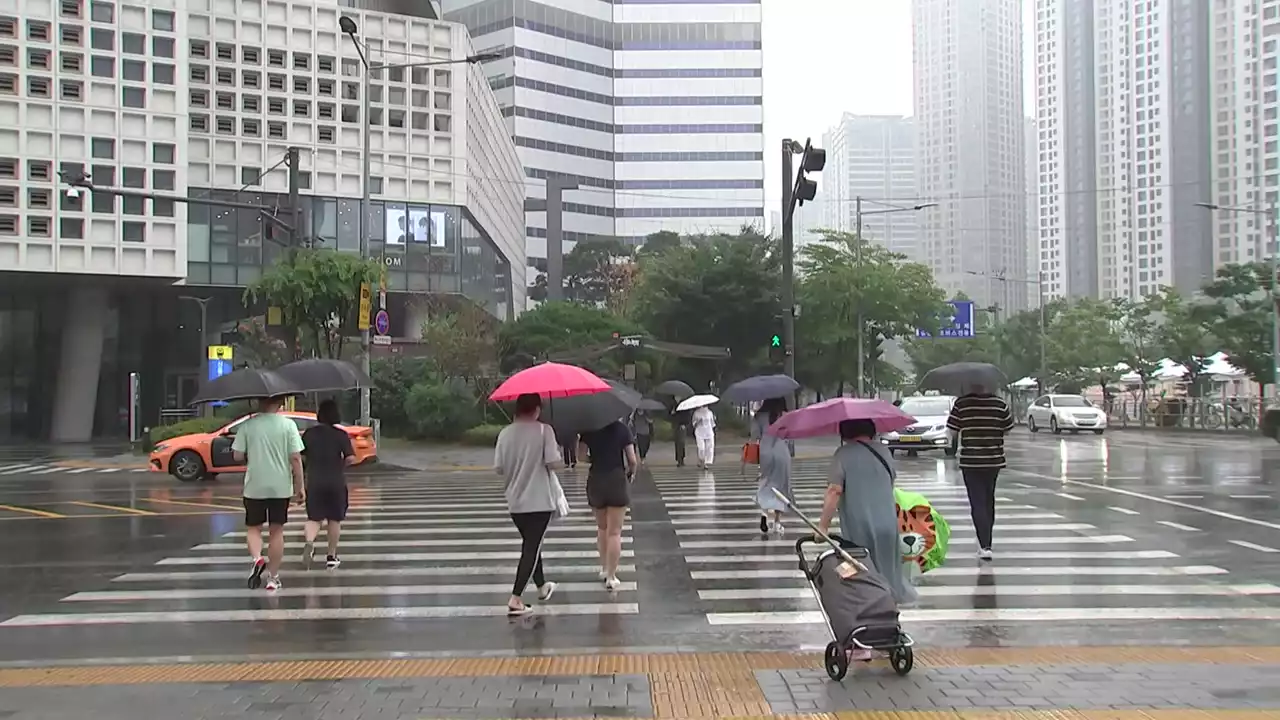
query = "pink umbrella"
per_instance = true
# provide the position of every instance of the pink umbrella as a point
(550, 380)
(824, 418)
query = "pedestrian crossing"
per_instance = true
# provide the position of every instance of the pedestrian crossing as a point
(1051, 564)
(437, 549)
(45, 468)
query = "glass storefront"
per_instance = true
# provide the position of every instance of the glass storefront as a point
(426, 248)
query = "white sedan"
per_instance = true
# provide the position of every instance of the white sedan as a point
(1065, 412)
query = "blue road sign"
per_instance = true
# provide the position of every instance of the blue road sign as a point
(218, 368)
(961, 324)
(382, 322)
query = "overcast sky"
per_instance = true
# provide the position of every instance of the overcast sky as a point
(823, 58)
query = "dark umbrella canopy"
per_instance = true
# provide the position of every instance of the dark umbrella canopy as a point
(320, 375)
(760, 388)
(583, 413)
(674, 388)
(964, 377)
(651, 405)
(246, 384)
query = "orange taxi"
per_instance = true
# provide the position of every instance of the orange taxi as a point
(205, 455)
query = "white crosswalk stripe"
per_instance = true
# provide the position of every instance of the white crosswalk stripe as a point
(1049, 566)
(422, 550)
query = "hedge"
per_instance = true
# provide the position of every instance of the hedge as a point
(193, 426)
(482, 435)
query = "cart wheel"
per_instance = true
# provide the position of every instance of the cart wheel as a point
(902, 659)
(837, 662)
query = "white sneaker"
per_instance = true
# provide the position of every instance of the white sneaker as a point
(984, 554)
(308, 555)
(546, 591)
(604, 575)
(611, 583)
(274, 583)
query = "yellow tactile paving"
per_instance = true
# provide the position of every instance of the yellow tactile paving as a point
(102, 464)
(722, 676)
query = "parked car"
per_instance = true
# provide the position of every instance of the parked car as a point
(205, 455)
(929, 432)
(1065, 412)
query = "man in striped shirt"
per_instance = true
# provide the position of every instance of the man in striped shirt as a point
(981, 420)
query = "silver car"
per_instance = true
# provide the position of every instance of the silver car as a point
(1065, 412)
(929, 432)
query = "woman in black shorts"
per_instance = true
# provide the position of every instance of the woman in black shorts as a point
(613, 465)
(327, 451)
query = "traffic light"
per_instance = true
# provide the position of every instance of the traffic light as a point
(776, 353)
(813, 160)
(775, 341)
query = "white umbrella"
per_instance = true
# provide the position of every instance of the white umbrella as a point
(696, 402)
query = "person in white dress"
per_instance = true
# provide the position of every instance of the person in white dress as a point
(704, 431)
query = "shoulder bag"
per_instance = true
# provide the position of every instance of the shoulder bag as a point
(557, 492)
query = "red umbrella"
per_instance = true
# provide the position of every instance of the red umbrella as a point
(550, 380)
(824, 418)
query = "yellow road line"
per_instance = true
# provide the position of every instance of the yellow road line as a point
(119, 508)
(31, 511)
(193, 504)
(86, 516)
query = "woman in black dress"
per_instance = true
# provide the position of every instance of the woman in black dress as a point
(613, 465)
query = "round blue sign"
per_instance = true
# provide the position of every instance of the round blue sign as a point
(382, 322)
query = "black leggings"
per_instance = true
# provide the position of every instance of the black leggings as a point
(532, 527)
(981, 486)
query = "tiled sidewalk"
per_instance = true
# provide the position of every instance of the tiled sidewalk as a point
(1001, 684)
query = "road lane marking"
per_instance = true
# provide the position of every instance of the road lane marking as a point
(440, 542)
(350, 529)
(355, 613)
(1178, 526)
(1123, 511)
(20, 468)
(31, 511)
(192, 504)
(119, 508)
(1011, 555)
(955, 591)
(754, 539)
(1002, 528)
(1155, 498)
(46, 471)
(501, 570)
(975, 571)
(77, 471)
(1249, 497)
(1254, 546)
(1013, 615)
(239, 559)
(332, 591)
(1068, 496)
(1185, 497)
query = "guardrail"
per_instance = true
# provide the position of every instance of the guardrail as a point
(1235, 415)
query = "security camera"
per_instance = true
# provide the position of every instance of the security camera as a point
(73, 192)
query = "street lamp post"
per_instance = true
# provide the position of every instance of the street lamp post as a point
(1039, 283)
(857, 250)
(1272, 215)
(348, 26)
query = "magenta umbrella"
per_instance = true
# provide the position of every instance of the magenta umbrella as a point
(824, 418)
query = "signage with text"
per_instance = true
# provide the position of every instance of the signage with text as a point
(959, 326)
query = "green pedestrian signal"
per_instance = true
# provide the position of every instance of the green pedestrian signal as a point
(776, 341)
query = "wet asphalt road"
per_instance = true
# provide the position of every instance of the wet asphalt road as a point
(1135, 537)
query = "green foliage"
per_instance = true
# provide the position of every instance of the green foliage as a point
(658, 243)
(1084, 347)
(462, 340)
(318, 292)
(844, 278)
(1138, 326)
(719, 290)
(591, 271)
(441, 410)
(1184, 334)
(186, 427)
(1241, 313)
(482, 435)
(392, 378)
(554, 327)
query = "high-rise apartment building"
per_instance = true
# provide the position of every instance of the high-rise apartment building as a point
(872, 157)
(1124, 145)
(655, 109)
(1031, 273)
(1245, 156)
(969, 150)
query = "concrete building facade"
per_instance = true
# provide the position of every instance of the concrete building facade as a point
(873, 157)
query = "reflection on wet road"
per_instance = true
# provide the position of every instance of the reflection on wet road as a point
(1126, 538)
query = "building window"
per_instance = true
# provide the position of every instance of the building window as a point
(133, 43)
(133, 97)
(71, 228)
(133, 232)
(162, 20)
(102, 148)
(163, 153)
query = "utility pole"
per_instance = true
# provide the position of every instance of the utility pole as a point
(788, 266)
(857, 258)
(295, 203)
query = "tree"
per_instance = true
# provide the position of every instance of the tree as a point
(1020, 338)
(658, 243)
(719, 290)
(557, 327)
(843, 274)
(1184, 334)
(592, 272)
(318, 292)
(1083, 345)
(1241, 313)
(461, 337)
(256, 347)
(1138, 328)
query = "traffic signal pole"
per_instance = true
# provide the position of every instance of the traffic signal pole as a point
(788, 265)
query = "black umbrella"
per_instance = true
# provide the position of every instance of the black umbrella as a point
(246, 384)
(651, 405)
(675, 388)
(583, 413)
(759, 388)
(320, 375)
(964, 377)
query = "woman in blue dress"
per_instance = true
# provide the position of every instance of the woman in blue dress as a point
(860, 488)
(775, 466)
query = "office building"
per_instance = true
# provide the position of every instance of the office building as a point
(873, 157)
(1032, 271)
(1245, 157)
(204, 105)
(969, 146)
(655, 110)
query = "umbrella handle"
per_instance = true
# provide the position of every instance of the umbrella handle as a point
(844, 555)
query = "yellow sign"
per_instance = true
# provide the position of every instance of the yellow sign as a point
(290, 404)
(366, 305)
(221, 352)
(274, 316)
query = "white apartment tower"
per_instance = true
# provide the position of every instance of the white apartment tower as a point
(655, 109)
(1035, 294)
(1124, 132)
(872, 157)
(1246, 159)
(970, 155)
